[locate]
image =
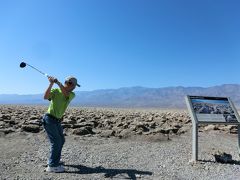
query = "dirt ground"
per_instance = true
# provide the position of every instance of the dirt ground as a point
(24, 156)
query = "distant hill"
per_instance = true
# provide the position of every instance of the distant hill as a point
(169, 97)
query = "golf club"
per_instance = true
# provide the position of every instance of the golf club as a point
(23, 65)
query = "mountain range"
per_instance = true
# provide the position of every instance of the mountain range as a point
(134, 97)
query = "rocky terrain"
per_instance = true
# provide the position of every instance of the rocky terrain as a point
(97, 122)
(115, 143)
(102, 122)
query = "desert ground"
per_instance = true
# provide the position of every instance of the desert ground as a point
(111, 143)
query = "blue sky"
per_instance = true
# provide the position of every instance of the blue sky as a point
(119, 43)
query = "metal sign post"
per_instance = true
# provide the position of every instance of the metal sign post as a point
(195, 142)
(238, 140)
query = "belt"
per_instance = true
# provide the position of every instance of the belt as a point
(53, 117)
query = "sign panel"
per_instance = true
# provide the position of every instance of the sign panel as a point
(213, 109)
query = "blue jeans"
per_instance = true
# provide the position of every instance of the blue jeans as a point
(55, 134)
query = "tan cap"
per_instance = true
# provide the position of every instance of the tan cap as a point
(72, 80)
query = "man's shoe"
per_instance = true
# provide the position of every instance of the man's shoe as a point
(57, 169)
(60, 163)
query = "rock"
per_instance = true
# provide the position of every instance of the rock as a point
(125, 133)
(141, 127)
(230, 128)
(183, 130)
(174, 130)
(161, 130)
(116, 130)
(211, 127)
(223, 157)
(83, 131)
(10, 121)
(73, 118)
(177, 126)
(66, 126)
(150, 119)
(122, 118)
(187, 121)
(69, 121)
(84, 124)
(107, 122)
(34, 117)
(148, 133)
(94, 123)
(119, 124)
(18, 112)
(2, 123)
(7, 131)
(5, 117)
(75, 126)
(125, 126)
(107, 133)
(81, 119)
(31, 128)
(153, 125)
(97, 117)
(35, 122)
(234, 131)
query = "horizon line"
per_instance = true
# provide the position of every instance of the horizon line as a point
(126, 88)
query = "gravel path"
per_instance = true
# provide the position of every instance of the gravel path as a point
(24, 155)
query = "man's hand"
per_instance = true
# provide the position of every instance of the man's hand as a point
(52, 79)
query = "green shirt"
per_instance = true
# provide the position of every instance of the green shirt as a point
(59, 103)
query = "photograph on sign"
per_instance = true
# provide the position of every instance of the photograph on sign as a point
(210, 109)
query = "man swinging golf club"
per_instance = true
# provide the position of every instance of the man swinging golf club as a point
(59, 100)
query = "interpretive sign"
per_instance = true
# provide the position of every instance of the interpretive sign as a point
(210, 110)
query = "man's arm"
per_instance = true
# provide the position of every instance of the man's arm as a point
(48, 91)
(64, 91)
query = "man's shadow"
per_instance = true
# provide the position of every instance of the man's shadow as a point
(108, 173)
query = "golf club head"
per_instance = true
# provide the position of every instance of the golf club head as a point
(22, 64)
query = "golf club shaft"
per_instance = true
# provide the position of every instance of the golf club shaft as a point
(38, 70)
